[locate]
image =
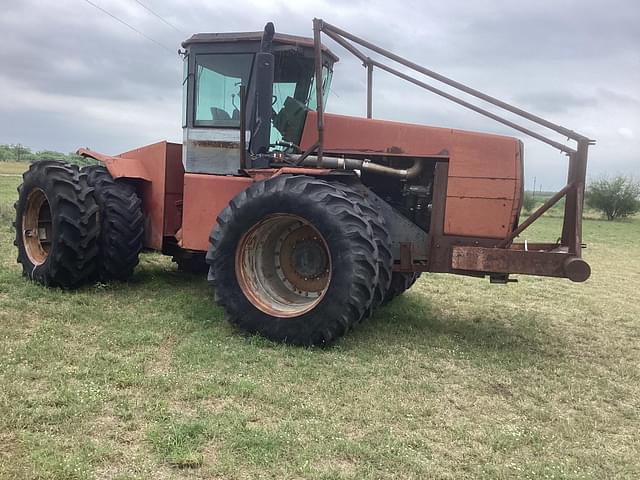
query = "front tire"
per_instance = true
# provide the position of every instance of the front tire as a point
(56, 225)
(292, 258)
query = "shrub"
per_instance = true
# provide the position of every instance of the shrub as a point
(528, 202)
(618, 197)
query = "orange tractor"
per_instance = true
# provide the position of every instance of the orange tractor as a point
(305, 221)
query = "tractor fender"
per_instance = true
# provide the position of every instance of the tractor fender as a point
(119, 167)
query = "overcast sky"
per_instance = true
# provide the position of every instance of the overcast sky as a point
(73, 76)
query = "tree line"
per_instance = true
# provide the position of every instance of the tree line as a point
(20, 153)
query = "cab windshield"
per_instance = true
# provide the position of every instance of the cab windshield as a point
(294, 93)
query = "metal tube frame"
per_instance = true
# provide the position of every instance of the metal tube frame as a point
(573, 190)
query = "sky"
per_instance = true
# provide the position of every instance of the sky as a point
(71, 75)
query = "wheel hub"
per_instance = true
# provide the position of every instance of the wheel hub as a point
(302, 262)
(309, 259)
(283, 265)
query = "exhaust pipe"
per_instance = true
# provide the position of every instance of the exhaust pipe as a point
(337, 163)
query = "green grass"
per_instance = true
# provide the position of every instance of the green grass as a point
(557, 210)
(456, 379)
(13, 168)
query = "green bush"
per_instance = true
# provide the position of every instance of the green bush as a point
(618, 197)
(528, 202)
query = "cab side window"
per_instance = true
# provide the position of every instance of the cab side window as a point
(218, 80)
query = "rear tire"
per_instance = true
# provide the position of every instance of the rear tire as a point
(292, 258)
(400, 283)
(121, 221)
(56, 225)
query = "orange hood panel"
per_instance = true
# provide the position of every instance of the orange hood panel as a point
(484, 188)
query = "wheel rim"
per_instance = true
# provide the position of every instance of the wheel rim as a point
(283, 266)
(36, 227)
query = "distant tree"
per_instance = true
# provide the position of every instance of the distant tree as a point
(50, 155)
(617, 197)
(20, 152)
(528, 202)
(5, 153)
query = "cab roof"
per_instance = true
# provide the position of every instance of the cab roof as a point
(231, 37)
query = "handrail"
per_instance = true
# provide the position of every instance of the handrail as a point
(475, 108)
(333, 31)
(573, 190)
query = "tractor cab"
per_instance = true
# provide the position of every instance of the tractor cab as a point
(275, 72)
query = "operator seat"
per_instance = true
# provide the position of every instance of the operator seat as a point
(219, 114)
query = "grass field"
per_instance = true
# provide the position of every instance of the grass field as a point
(456, 379)
(12, 168)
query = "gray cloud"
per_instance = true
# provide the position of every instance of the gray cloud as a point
(555, 101)
(73, 76)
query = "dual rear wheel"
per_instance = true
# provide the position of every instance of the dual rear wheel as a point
(76, 226)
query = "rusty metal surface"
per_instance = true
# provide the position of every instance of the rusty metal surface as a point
(339, 162)
(36, 224)
(467, 151)
(264, 173)
(307, 283)
(205, 196)
(489, 212)
(500, 260)
(538, 246)
(132, 168)
(576, 269)
(216, 144)
(281, 38)
(574, 204)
